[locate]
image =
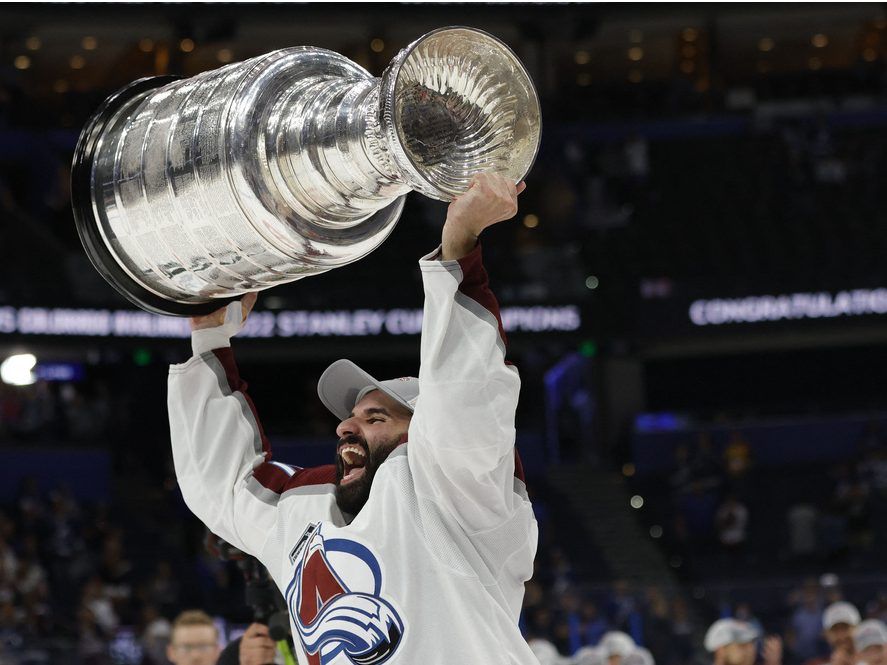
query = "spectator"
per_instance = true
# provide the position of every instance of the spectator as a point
(155, 635)
(657, 624)
(616, 646)
(870, 642)
(682, 631)
(621, 605)
(838, 623)
(593, 624)
(568, 631)
(731, 521)
(194, 639)
(851, 497)
(805, 624)
(731, 642)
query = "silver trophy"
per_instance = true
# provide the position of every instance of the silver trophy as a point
(189, 193)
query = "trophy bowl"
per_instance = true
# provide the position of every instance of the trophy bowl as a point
(188, 193)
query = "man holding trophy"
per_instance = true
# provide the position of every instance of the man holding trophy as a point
(191, 195)
(416, 543)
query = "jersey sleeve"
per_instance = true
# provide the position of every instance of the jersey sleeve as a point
(223, 459)
(462, 434)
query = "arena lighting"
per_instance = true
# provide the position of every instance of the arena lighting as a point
(655, 531)
(582, 57)
(819, 40)
(531, 221)
(766, 44)
(89, 43)
(18, 370)
(377, 45)
(186, 45)
(224, 55)
(592, 282)
(22, 62)
(635, 54)
(637, 502)
(33, 43)
(77, 62)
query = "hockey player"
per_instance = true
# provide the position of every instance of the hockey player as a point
(413, 553)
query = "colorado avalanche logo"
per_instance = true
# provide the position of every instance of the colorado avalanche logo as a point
(341, 623)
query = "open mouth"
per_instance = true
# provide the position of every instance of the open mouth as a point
(353, 462)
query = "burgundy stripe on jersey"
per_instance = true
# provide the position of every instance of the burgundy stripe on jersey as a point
(475, 284)
(518, 467)
(271, 476)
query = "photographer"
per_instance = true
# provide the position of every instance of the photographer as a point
(267, 640)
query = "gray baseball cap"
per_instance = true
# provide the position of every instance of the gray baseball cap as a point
(343, 384)
(616, 643)
(729, 631)
(840, 612)
(869, 633)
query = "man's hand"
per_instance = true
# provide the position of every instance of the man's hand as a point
(217, 318)
(772, 650)
(256, 646)
(490, 198)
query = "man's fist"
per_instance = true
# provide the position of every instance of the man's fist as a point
(218, 317)
(256, 646)
(490, 198)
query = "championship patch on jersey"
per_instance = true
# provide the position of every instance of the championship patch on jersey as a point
(336, 604)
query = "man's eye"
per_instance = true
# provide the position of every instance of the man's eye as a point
(374, 420)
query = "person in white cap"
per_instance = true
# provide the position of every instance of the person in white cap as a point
(734, 642)
(870, 641)
(406, 554)
(838, 621)
(615, 646)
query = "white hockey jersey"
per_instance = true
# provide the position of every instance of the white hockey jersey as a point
(432, 569)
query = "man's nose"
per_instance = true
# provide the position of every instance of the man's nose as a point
(346, 428)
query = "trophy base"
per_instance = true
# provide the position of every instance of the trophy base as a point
(88, 225)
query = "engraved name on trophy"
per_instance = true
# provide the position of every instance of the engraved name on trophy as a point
(188, 193)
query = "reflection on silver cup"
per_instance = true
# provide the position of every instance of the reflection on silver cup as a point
(189, 193)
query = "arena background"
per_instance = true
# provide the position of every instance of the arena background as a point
(695, 291)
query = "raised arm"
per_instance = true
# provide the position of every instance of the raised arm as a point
(462, 433)
(222, 457)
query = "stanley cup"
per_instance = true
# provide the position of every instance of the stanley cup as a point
(188, 193)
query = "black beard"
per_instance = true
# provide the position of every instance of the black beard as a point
(352, 497)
